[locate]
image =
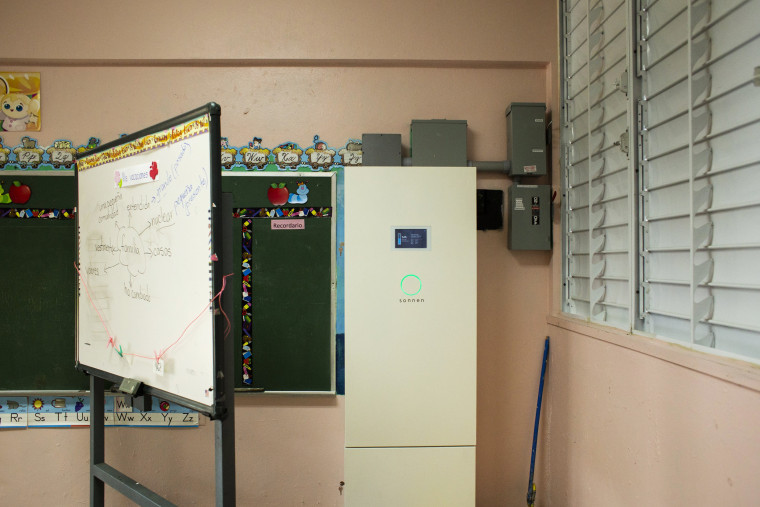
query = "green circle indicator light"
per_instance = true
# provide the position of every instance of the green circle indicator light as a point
(411, 285)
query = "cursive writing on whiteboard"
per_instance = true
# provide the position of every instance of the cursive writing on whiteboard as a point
(109, 207)
(103, 247)
(109, 203)
(161, 188)
(172, 176)
(189, 193)
(185, 147)
(141, 294)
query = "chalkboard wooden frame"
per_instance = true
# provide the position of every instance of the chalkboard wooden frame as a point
(191, 127)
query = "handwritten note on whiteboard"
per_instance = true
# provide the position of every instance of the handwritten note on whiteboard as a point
(145, 255)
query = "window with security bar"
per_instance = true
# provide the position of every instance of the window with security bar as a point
(596, 120)
(684, 226)
(700, 172)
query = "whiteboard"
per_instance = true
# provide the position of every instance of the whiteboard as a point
(146, 259)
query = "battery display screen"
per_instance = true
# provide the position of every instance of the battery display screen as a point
(411, 238)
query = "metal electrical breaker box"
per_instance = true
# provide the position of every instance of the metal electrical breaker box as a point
(526, 138)
(530, 224)
(381, 149)
(439, 143)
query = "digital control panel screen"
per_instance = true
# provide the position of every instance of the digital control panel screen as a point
(411, 238)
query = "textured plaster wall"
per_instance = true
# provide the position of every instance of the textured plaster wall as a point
(646, 423)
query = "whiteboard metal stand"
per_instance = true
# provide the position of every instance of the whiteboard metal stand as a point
(101, 473)
(224, 426)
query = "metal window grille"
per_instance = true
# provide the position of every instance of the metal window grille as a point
(699, 241)
(661, 168)
(597, 164)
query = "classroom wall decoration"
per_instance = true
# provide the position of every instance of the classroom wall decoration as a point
(16, 193)
(29, 155)
(20, 101)
(45, 411)
(287, 156)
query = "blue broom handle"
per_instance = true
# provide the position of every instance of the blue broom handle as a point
(538, 412)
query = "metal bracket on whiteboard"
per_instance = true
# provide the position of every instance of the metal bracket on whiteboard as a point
(130, 386)
(143, 403)
(140, 400)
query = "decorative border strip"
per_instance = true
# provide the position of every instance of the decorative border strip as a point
(68, 411)
(247, 327)
(36, 213)
(247, 247)
(282, 212)
(147, 143)
(288, 156)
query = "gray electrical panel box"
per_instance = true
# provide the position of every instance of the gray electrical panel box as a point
(381, 150)
(526, 138)
(529, 224)
(439, 143)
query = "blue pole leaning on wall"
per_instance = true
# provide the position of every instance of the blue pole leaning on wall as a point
(531, 485)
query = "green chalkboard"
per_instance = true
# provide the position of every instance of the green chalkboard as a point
(292, 285)
(39, 289)
(285, 313)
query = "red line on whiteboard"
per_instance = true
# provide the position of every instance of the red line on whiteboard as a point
(156, 356)
(102, 320)
(205, 308)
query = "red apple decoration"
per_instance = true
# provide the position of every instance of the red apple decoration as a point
(20, 193)
(278, 194)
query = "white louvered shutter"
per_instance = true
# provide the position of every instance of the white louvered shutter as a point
(597, 175)
(700, 172)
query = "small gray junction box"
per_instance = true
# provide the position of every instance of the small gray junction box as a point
(381, 149)
(526, 138)
(530, 224)
(439, 143)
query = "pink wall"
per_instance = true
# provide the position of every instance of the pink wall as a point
(637, 421)
(391, 31)
(289, 451)
(286, 74)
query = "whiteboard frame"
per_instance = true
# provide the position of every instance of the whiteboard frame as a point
(216, 409)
